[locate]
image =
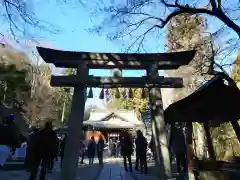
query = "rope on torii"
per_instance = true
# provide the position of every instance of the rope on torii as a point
(106, 94)
(117, 73)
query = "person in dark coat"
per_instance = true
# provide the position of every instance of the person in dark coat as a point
(151, 145)
(58, 148)
(126, 150)
(62, 149)
(113, 147)
(180, 149)
(9, 138)
(82, 151)
(100, 147)
(30, 149)
(91, 150)
(45, 149)
(141, 152)
(54, 155)
(11, 134)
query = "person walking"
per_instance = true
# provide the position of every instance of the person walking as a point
(118, 148)
(114, 148)
(45, 149)
(53, 152)
(62, 149)
(9, 138)
(180, 149)
(141, 152)
(91, 150)
(126, 150)
(30, 149)
(82, 150)
(100, 147)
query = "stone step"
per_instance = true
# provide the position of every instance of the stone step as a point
(15, 165)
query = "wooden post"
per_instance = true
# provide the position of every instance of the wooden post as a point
(71, 154)
(159, 132)
(190, 162)
(209, 141)
(236, 128)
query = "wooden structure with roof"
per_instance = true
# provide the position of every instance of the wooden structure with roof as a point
(83, 61)
(111, 123)
(214, 103)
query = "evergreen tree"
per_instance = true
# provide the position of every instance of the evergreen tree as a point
(236, 70)
(186, 32)
(136, 103)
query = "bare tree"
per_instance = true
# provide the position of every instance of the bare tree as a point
(138, 20)
(19, 18)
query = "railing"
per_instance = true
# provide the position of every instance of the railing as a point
(212, 170)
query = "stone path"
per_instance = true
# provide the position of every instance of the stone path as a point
(113, 171)
(84, 172)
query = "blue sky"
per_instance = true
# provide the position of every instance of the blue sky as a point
(73, 22)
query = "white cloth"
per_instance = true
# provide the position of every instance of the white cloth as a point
(21, 152)
(4, 153)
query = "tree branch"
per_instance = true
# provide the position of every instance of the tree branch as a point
(216, 12)
(141, 38)
(219, 4)
(213, 4)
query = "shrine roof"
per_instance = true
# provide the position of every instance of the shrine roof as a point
(215, 101)
(114, 119)
(71, 59)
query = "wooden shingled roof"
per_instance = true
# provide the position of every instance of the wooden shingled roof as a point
(114, 119)
(215, 101)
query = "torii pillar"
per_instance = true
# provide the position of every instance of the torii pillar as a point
(71, 154)
(159, 133)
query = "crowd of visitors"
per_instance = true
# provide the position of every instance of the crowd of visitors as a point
(43, 147)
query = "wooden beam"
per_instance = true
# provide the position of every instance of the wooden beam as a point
(163, 65)
(70, 59)
(111, 82)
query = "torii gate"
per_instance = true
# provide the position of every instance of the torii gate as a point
(83, 61)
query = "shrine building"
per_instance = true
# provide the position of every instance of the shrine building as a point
(111, 123)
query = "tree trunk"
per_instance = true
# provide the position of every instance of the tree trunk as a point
(190, 162)
(209, 141)
(236, 129)
(63, 110)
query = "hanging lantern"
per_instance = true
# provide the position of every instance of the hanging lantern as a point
(144, 94)
(90, 93)
(124, 94)
(130, 93)
(117, 94)
(101, 94)
(107, 94)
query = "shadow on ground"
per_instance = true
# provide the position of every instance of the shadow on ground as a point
(84, 172)
(202, 175)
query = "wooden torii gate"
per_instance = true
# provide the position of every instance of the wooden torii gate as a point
(83, 61)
